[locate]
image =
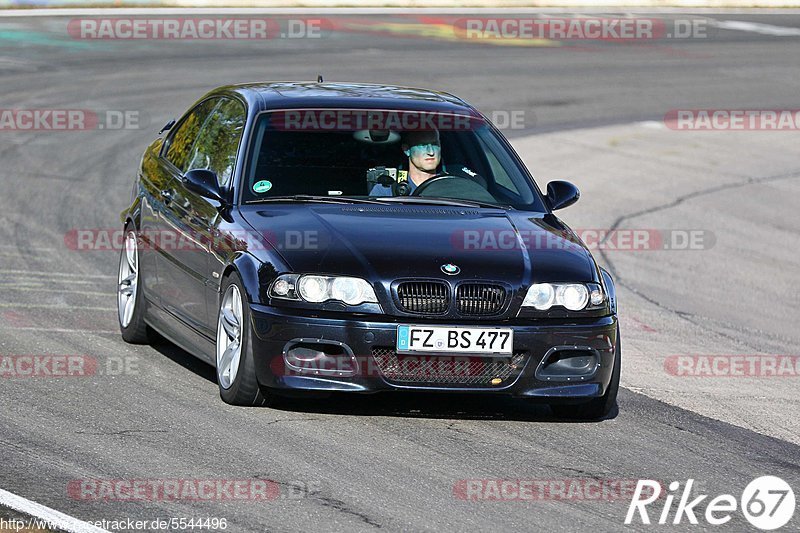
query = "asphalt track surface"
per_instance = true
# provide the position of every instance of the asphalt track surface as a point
(399, 462)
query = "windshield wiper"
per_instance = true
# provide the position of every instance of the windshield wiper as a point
(379, 200)
(440, 201)
(312, 198)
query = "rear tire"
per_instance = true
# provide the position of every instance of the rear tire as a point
(130, 300)
(598, 407)
(236, 373)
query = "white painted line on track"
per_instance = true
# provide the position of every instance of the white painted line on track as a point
(58, 290)
(38, 282)
(59, 274)
(155, 11)
(652, 124)
(756, 27)
(66, 330)
(13, 246)
(23, 306)
(52, 517)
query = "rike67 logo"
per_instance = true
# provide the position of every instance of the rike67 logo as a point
(767, 502)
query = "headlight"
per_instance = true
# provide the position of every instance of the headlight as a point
(573, 296)
(351, 291)
(313, 288)
(597, 297)
(317, 289)
(540, 295)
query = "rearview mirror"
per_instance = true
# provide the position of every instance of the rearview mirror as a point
(561, 194)
(203, 182)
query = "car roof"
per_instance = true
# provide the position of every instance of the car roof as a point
(265, 96)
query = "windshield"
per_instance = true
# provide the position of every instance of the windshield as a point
(384, 156)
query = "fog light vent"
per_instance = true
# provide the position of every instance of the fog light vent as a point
(568, 363)
(319, 357)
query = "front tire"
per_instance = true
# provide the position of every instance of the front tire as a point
(130, 300)
(596, 408)
(236, 374)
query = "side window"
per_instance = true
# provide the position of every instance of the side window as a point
(500, 163)
(218, 140)
(500, 175)
(179, 145)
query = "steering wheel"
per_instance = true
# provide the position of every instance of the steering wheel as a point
(455, 187)
(436, 179)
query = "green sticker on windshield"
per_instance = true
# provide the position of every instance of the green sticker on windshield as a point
(262, 186)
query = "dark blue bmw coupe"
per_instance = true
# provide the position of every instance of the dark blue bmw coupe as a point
(362, 238)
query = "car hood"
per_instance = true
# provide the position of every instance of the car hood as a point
(390, 242)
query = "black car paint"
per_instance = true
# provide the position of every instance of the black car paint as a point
(379, 243)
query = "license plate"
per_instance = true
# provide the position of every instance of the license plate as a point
(454, 339)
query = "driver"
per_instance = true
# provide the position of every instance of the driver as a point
(424, 152)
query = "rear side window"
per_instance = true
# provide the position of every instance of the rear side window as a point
(218, 140)
(179, 145)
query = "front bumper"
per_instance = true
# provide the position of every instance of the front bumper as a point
(362, 340)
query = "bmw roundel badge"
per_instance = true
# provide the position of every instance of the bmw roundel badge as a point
(450, 269)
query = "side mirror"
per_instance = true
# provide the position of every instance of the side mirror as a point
(167, 126)
(204, 183)
(561, 194)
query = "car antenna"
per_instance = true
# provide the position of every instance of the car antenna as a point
(319, 78)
